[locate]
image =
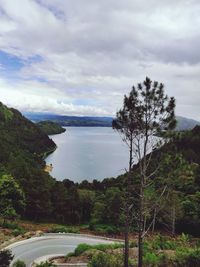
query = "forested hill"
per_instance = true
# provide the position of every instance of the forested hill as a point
(17, 131)
(50, 127)
(22, 148)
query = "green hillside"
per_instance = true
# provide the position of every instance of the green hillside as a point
(22, 148)
(50, 128)
(15, 129)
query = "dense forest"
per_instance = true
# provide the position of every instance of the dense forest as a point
(50, 127)
(22, 149)
(23, 146)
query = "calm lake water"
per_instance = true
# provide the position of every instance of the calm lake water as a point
(88, 153)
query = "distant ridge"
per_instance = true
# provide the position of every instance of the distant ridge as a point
(71, 120)
(183, 123)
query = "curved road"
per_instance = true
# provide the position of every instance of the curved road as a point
(33, 248)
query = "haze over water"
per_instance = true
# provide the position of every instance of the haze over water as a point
(88, 153)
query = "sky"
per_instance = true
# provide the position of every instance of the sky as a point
(81, 57)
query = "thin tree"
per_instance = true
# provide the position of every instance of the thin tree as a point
(127, 134)
(146, 112)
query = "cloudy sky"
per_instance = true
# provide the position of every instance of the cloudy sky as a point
(80, 57)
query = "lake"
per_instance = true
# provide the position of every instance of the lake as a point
(87, 153)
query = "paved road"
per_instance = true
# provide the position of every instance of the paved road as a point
(33, 248)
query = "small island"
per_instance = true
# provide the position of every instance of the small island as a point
(50, 128)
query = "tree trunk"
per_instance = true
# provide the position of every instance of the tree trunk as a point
(126, 238)
(173, 219)
(140, 249)
(141, 226)
(127, 211)
(154, 221)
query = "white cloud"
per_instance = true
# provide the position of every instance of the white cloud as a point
(92, 52)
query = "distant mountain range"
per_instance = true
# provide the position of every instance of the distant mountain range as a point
(183, 123)
(71, 120)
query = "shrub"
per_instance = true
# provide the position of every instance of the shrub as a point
(81, 248)
(99, 260)
(5, 258)
(162, 242)
(151, 259)
(9, 225)
(156, 259)
(106, 260)
(188, 258)
(184, 239)
(101, 247)
(147, 247)
(19, 263)
(72, 230)
(90, 253)
(104, 247)
(18, 231)
(70, 254)
(105, 229)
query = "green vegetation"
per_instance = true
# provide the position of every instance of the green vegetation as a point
(159, 251)
(106, 260)
(49, 127)
(98, 254)
(98, 203)
(103, 229)
(22, 146)
(26, 190)
(64, 229)
(177, 252)
(187, 257)
(101, 247)
(5, 113)
(12, 199)
(5, 258)
(19, 263)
